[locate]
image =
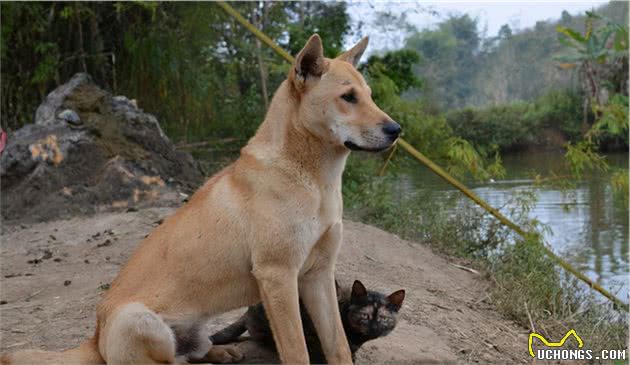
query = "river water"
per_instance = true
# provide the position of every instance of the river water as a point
(588, 222)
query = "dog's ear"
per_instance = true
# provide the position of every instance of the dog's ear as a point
(354, 54)
(358, 289)
(310, 61)
(396, 299)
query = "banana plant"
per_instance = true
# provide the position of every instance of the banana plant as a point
(592, 52)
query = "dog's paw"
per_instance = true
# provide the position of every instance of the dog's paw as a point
(223, 354)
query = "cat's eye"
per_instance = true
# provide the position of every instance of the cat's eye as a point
(365, 316)
(350, 97)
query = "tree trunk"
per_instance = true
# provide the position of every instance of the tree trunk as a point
(80, 31)
(98, 51)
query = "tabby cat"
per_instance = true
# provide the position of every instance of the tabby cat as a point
(366, 315)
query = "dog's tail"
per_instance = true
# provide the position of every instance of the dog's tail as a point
(230, 333)
(86, 354)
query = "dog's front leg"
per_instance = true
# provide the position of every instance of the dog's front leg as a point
(279, 293)
(319, 294)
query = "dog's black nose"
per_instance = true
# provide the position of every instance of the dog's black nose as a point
(391, 128)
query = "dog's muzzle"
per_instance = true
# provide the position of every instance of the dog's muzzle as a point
(390, 129)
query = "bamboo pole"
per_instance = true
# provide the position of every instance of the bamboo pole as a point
(260, 35)
(387, 160)
(441, 173)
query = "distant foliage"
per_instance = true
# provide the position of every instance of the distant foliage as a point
(512, 126)
(463, 67)
(450, 62)
(429, 132)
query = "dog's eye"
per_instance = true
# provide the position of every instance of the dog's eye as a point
(350, 98)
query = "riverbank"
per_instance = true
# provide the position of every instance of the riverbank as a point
(54, 273)
(528, 286)
(585, 221)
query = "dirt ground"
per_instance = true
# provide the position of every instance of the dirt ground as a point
(54, 273)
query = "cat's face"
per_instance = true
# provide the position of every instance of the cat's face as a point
(373, 314)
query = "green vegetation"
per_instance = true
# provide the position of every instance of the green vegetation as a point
(521, 124)
(600, 55)
(449, 60)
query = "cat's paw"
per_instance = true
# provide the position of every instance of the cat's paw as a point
(223, 354)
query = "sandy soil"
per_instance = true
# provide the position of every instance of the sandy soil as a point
(54, 273)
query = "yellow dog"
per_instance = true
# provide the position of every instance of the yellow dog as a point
(268, 227)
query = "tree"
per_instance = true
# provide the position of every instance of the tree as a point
(593, 53)
(329, 19)
(600, 54)
(505, 33)
(397, 66)
(565, 18)
(450, 59)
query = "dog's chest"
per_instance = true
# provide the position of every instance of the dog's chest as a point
(324, 212)
(330, 204)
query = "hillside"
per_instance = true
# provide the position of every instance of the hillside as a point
(462, 66)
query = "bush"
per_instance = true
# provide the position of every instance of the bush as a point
(515, 125)
(502, 127)
(528, 281)
(560, 110)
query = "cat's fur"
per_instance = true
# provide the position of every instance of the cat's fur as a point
(366, 315)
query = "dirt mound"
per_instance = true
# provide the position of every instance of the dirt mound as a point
(89, 151)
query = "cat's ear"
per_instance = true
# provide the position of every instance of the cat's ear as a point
(358, 289)
(396, 299)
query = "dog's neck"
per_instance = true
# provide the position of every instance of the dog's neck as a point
(282, 133)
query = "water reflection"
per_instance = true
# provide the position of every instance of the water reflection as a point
(589, 225)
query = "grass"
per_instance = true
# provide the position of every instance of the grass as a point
(528, 287)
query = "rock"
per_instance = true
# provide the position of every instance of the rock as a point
(88, 151)
(70, 116)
